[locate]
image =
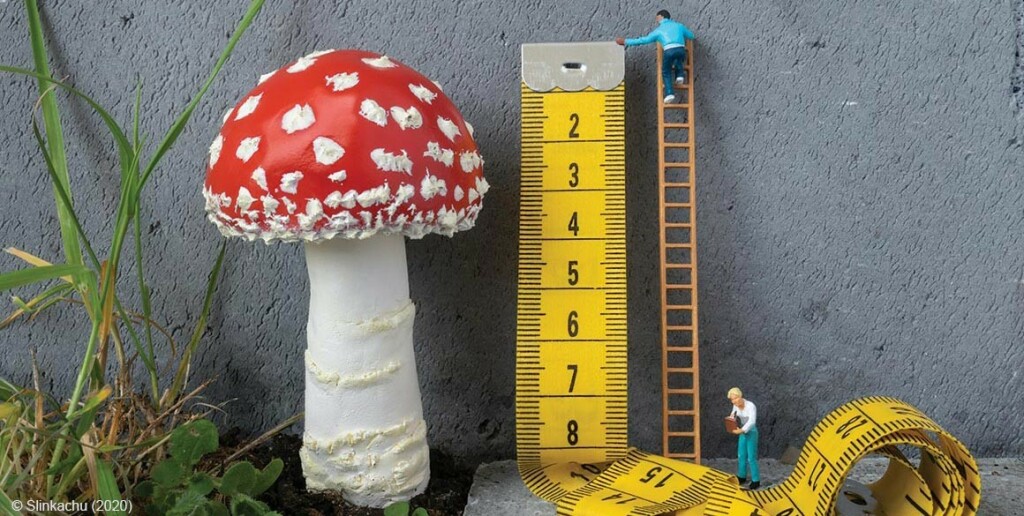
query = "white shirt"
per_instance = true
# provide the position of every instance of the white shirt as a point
(747, 415)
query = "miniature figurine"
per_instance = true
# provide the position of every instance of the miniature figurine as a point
(672, 35)
(349, 152)
(745, 413)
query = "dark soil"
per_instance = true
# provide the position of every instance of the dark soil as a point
(445, 496)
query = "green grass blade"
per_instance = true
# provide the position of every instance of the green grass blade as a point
(20, 278)
(54, 131)
(107, 484)
(63, 195)
(5, 504)
(148, 357)
(179, 124)
(183, 366)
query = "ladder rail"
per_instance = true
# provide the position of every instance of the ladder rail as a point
(686, 104)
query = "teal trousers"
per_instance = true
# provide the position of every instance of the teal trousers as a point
(748, 456)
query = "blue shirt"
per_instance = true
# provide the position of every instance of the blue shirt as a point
(669, 33)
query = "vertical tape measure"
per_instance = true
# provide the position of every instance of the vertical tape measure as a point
(571, 363)
(571, 338)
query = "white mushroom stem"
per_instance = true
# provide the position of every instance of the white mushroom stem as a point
(365, 434)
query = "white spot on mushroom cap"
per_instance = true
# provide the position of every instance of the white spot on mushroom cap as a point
(314, 211)
(438, 85)
(342, 220)
(447, 219)
(247, 148)
(459, 193)
(260, 176)
(288, 204)
(290, 182)
(449, 128)
(371, 110)
(404, 193)
(422, 93)
(407, 118)
(380, 62)
(264, 77)
(227, 114)
(470, 161)
(215, 148)
(482, 186)
(342, 81)
(338, 176)
(244, 199)
(389, 162)
(469, 127)
(431, 186)
(248, 106)
(473, 194)
(333, 200)
(297, 118)
(374, 196)
(348, 201)
(300, 65)
(270, 204)
(327, 151)
(434, 150)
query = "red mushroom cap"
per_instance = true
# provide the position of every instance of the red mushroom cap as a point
(343, 143)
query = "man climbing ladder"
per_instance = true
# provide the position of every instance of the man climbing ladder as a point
(672, 35)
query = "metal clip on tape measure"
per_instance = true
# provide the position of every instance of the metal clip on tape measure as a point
(571, 340)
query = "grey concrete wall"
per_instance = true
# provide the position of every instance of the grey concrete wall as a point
(859, 186)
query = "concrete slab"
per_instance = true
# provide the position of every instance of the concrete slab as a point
(498, 491)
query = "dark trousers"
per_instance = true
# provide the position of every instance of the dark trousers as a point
(673, 57)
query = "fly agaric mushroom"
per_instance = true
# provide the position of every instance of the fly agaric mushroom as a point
(348, 151)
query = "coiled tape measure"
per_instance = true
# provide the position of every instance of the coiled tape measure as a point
(571, 363)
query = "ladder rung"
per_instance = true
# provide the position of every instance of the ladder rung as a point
(681, 455)
(677, 205)
(680, 434)
(677, 185)
(679, 349)
(678, 265)
(680, 369)
(678, 307)
(678, 287)
(678, 246)
(676, 106)
(677, 145)
(678, 225)
(676, 125)
(680, 412)
(679, 328)
(677, 164)
(679, 391)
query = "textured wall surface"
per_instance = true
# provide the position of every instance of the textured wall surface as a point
(859, 188)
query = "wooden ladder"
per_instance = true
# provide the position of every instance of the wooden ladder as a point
(678, 236)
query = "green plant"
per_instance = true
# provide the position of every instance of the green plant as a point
(402, 509)
(176, 487)
(105, 438)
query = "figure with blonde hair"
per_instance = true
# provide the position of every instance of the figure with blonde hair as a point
(744, 412)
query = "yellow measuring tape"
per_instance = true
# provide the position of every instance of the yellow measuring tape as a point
(571, 362)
